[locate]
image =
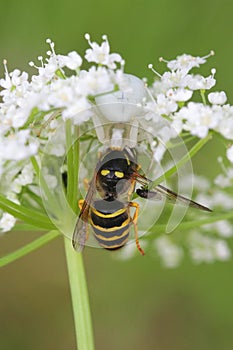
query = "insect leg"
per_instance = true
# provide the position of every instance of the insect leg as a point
(147, 194)
(80, 203)
(135, 223)
(80, 233)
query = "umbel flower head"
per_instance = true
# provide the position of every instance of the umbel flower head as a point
(108, 108)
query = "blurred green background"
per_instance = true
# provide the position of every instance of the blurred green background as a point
(135, 304)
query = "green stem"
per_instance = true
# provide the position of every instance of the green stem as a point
(70, 161)
(79, 296)
(72, 147)
(211, 219)
(37, 243)
(190, 224)
(76, 272)
(202, 91)
(182, 161)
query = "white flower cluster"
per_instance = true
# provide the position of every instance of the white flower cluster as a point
(15, 178)
(32, 110)
(24, 101)
(174, 89)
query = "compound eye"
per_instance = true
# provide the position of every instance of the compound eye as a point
(119, 174)
(105, 172)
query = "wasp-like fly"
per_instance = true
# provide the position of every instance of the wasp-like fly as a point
(114, 180)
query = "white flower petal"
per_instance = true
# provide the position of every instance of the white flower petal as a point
(230, 154)
(218, 98)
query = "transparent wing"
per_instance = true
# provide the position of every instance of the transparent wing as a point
(80, 234)
(160, 192)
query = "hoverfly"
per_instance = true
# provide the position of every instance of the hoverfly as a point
(114, 180)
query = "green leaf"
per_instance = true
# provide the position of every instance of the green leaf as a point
(30, 216)
(19, 253)
(26, 227)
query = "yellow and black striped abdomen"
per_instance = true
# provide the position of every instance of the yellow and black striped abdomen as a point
(110, 221)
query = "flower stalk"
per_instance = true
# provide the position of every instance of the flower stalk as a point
(79, 296)
(198, 145)
(76, 271)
